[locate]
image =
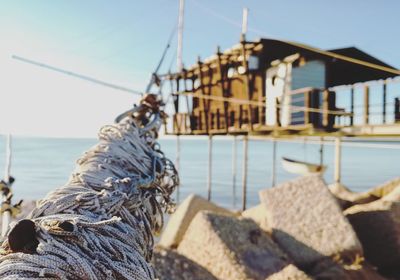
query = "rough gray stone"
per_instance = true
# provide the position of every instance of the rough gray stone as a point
(170, 265)
(184, 214)
(290, 272)
(259, 215)
(378, 227)
(348, 198)
(307, 222)
(231, 248)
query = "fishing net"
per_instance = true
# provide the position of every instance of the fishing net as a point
(99, 225)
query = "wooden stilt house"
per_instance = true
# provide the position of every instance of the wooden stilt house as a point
(275, 86)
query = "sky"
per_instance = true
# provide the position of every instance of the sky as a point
(122, 41)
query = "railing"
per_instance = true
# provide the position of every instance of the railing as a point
(308, 107)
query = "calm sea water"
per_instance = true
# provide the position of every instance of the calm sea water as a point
(41, 164)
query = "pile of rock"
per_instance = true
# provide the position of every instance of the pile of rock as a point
(300, 230)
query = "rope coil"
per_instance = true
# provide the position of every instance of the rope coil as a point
(100, 225)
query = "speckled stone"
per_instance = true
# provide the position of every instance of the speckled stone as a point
(259, 215)
(290, 272)
(170, 265)
(307, 222)
(184, 214)
(378, 227)
(348, 198)
(231, 248)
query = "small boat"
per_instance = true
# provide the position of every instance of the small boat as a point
(302, 167)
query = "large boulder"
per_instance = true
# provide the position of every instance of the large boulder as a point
(231, 248)
(184, 214)
(360, 270)
(308, 224)
(290, 272)
(170, 265)
(259, 215)
(378, 227)
(348, 198)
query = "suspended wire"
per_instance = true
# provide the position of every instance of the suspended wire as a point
(323, 52)
(83, 77)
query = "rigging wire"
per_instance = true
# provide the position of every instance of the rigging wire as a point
(73, 74)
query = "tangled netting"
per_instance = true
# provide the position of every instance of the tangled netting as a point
(100, 225)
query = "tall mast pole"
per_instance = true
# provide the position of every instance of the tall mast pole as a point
(179, 68)
(244, 22)
(179, 62)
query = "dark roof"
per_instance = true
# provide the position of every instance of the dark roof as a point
(347, 65)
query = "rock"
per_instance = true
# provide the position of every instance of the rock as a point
(259, 215)
(377, 225)
(348, 198)
(328, 269)
(231, 248)
(184, 214)
(170, 265)
(307, 222)
(290, 272)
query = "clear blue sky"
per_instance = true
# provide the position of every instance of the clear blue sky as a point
(121, 42)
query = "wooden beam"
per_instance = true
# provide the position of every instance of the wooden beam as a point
(384, 102)
(205, 104)
(223, 88)
(247, 87)
(366, 104)
(352, 105)
(325, 107)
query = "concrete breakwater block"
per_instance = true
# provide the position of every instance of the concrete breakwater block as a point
(307, 222)
(290, 272)
(378, 227)
(328, 269)
(184, 214)
(349, 198)
(231, 248)
(170, 265)
(259, 215)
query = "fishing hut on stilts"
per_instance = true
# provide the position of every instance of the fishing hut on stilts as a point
(277, 89)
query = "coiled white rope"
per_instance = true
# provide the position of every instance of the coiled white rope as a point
(99, 225)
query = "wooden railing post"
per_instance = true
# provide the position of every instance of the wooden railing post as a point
(352, 105)
(325, 106)
(384, 102)
(366, 104)
(307, 105)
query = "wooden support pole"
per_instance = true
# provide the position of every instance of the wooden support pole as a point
(325, 106)
(177, 164)
(366, 104)
(307, 105)
(338, 159)
(209, 177)
(321, 151)
(223, 89)
(244, 172)
(352, 106)
(234, 171)
(273, 169)
(246, 85)
(6, 216)
(384, 102)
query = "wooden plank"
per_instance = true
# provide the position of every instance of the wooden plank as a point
(223, 89)
(352, 106)
(384, 102)
(366, 104)
(246, 85)
(205, 104)
(325, 106)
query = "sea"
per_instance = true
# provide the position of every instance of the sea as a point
(39, 165)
